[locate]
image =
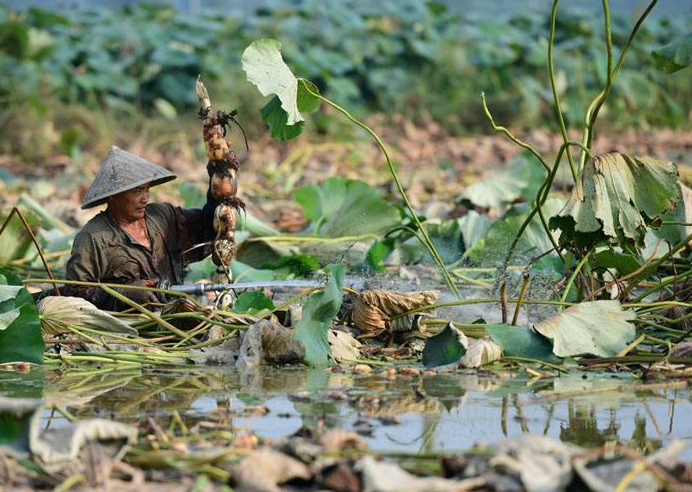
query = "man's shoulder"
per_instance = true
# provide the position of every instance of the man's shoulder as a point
(97, 229)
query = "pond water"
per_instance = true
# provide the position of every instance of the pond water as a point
(442, 412)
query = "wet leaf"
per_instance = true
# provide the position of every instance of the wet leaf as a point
(480, 352)
(374, 309)
(616, 199)
(519, 341)
(251, 302)
(266, 69)
(318, 312)
(446, 347)
(520, 179)
(674, 56)
(598, 328)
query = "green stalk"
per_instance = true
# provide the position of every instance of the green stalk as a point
(428, 243)
(541, 197)
(556, 98)
(509, 135)
(595, 106)
(145, 312)
(580, 265)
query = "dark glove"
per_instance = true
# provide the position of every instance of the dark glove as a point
(141, 296)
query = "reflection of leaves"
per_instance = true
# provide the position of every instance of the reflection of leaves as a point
(446, 389)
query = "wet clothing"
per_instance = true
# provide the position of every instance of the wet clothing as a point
(103, 252)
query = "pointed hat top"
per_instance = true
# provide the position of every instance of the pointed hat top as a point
(121, 171)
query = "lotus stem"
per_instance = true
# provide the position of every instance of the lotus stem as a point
(428, 243)
(553, 86)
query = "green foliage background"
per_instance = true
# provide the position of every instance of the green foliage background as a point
(85, 69)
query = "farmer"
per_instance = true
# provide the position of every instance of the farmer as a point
(133, 242)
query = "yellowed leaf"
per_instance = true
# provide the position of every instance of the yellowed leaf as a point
(374, 309)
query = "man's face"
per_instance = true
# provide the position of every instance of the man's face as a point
(129, 205)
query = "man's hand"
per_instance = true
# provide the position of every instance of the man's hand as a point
(141, 296)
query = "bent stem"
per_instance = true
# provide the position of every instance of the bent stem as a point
(426, 239)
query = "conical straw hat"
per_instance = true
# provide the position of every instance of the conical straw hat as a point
(122, 171)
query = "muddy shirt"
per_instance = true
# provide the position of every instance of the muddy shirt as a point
(103, 252)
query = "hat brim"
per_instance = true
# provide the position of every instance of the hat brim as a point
(130, 186)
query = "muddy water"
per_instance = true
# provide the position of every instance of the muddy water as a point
(444, 412)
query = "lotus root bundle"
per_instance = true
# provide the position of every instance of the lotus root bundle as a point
(223, 172)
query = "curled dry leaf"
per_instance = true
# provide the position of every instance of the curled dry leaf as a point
(480, 352)
(374, 309)
(338, 440)
(343, 345)
(59, 312)
(267, 342)
(382, 476)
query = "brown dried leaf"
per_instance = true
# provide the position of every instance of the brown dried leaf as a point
(373, 310)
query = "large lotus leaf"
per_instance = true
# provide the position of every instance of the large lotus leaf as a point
(447, 239)
(21, 340)
(319, 310)
(20, 325)
(473, 227)
(446, 347)
(674, 56)
(491, 249)
(266, 69)
(520, 179)
(597, 328)
(520, 341)
(616, 199)
(341, 207)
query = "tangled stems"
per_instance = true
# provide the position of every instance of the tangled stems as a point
(426, 239)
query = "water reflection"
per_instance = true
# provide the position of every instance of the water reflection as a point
(442, 412)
